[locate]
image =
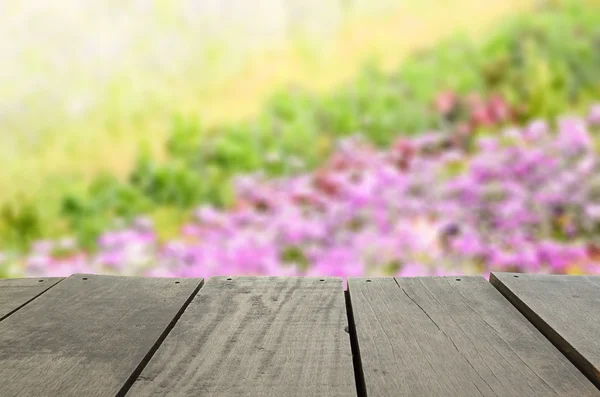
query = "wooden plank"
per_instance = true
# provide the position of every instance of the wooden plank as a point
(564, 308)
(453, 337)
(17, 292)
(88, 335)
(256, 336)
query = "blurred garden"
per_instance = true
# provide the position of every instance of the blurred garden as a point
(472, 149)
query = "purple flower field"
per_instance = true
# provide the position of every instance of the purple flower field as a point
(525, 200)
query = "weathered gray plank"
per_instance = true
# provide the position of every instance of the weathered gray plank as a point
(453, 337)
(564, 308)
(17, 292)
(253, 336)
(87, 335)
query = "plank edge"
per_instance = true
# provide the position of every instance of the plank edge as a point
(580, 362)
(359, 375)
(140, 367)
(58, 280)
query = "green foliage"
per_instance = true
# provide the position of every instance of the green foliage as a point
(186, 138)
(19, 224)
(167, 184)
(106, 200)
(548, 62)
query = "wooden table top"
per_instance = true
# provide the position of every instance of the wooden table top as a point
(90, 335)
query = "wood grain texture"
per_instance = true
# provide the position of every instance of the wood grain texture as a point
(564, 308)
(88, 335)
(256, 336)
(454, 337)
(17, 292)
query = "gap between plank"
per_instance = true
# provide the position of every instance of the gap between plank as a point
(580, 362)
(359, 376)
(136, 373)
(32, 299)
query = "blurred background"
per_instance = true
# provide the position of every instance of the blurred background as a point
(299, 137)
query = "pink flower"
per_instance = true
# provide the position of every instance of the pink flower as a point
(412, 270)
(573, 136)
(594, 115)
(468, 244)
(112, 260)
(520, 202)
(498, 109)
(43, 247)
(445, 102)
(593, 211)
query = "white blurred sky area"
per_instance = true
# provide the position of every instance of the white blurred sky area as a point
(59, 53)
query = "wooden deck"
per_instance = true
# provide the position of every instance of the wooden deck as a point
(517, 335)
